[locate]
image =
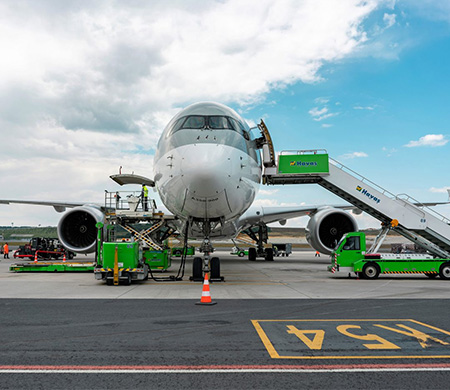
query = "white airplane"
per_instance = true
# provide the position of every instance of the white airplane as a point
(207, 170)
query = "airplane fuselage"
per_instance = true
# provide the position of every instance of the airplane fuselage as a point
(207, 166)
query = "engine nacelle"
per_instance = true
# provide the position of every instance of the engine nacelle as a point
(327, 226)
(77, 230)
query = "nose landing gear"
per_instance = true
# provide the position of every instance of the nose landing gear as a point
(207, 264)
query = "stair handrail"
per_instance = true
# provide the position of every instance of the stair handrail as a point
(344, 168)
(401, 197)
(422, 206)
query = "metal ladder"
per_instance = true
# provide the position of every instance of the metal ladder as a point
(418, 223)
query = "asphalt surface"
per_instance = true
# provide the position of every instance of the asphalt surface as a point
(50, 338)
(285, 324)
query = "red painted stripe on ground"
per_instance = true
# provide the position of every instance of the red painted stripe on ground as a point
(228, 367)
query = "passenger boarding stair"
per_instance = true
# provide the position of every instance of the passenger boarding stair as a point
(418, 223)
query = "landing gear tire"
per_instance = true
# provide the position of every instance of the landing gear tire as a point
(444, 271)
(252, 254)
(215, 268)
(197, 272)
(269, 254)
(371, 271)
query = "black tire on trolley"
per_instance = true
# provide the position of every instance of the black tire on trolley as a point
(252, 254)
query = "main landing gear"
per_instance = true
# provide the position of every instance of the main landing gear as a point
(260, 236)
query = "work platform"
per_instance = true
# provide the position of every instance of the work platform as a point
(412, 219)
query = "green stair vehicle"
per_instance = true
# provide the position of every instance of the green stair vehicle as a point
(350, 256)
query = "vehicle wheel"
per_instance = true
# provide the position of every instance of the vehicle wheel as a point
(146, 272)
(215, 268)
(109, 282)
(252, 254)
(15, 254)
(197, 273)
(371, 271)
(128, 279)
(177, 253)
(431, 275)
(241, 254)
(269, 254)
(444, 271)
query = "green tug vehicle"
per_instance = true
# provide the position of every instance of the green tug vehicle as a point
(350, 256)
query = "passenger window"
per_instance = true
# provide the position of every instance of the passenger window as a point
(352, 244)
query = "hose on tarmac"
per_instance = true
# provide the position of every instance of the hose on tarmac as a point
(182, 264)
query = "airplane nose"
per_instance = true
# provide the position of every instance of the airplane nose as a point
(206, 170)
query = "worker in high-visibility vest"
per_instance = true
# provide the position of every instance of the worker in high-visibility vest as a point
(144, 196)
(6, 251)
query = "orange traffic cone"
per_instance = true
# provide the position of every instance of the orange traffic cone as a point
(206, 295)
(64, 258)
(35, 257)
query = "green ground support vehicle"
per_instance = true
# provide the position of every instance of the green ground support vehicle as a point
(124, 262)
(239, 252)
(157, 260)
(350, 256)
(178, 251)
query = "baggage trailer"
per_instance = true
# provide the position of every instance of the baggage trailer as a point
(350, 256)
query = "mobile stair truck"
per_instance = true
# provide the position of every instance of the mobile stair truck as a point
(350, 256)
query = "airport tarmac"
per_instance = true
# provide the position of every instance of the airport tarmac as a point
(282, 324)
(299, 276)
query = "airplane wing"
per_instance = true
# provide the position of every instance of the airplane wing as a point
(256, 215)
(58, 206)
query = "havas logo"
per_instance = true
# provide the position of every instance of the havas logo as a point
(370, 196)
(302, 163)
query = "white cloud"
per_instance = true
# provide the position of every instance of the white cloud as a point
(354, 155)
(429, 140)
(321, 114)
(321, 100)
(268, 192)
(440, 190)
(389, 20)
(88, 86)
(326, 125)
(370, 108)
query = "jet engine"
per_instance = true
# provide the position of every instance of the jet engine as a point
(77, 230)
(327, 226)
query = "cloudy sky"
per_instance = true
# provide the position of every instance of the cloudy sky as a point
(88, 86)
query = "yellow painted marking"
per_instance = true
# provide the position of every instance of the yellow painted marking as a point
(382, 343)
(431, 327)
(315, 343)
(420, 336)
(275, 355)
(270, 348)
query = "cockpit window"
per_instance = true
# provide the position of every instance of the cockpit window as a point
(219, 122)
(194, 122)
(213, 122)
